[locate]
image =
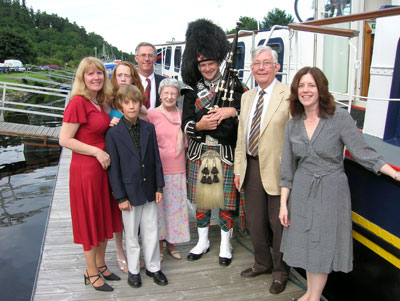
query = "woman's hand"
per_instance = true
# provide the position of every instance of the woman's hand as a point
(143, 112)
(283, 216)
(114, 121)
(103, 158)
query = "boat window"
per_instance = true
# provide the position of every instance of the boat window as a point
(239, 59)
(177, 58)
(159, 56)
(168, 57)
(277, 45)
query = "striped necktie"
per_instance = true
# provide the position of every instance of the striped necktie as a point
(255, 125)
(147, 93)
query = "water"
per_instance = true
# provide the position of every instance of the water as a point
(27, 180)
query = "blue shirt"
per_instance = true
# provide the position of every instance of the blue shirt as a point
(115, 113)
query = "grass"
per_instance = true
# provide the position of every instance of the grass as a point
(11, 77)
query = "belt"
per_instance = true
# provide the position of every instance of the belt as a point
(252, 157)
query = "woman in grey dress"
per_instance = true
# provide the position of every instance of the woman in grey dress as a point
(315, 198)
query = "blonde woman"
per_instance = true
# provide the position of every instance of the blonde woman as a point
(94, 214)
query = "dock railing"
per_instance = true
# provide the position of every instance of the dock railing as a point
(16, 106)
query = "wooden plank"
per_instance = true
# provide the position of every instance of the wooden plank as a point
(29, 130)
(62, 265)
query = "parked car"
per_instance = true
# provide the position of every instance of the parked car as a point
(3, 68)
(14, 65)
(50, 67)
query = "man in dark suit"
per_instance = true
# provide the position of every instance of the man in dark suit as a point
(145, 57)
(136, 178)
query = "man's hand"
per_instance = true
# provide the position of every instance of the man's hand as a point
(158, 197)
(125, 206)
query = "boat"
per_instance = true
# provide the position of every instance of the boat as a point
(359, 51)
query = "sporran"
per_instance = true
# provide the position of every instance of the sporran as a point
(209, 188)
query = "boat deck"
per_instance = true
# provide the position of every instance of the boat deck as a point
(60, 275)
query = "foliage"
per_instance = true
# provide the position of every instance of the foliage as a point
(15, 46)
(273, 17)
(248, 23)
(40, 38)
(276, 17)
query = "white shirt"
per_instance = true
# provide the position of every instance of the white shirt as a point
(152, 89)
(267, 96)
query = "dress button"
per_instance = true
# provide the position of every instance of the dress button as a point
(142, 165)
(144, 179)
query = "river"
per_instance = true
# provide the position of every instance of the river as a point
(27, 180)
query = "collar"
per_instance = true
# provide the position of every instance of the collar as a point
(143, 78)
(212, 83)
(268, 90)
(130, 124)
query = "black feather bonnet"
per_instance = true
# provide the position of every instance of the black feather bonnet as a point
(204, 41)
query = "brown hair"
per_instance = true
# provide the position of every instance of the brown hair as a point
(326, 101)
(79, 86)
(135, 81)
(130, 92)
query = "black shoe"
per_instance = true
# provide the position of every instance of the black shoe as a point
(225, 261)
(104, 288)
(159, 277)
(111, 277)
(134, 280)
(253, 272)
(192, 256)
(277, 287)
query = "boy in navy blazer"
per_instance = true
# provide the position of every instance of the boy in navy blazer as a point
(136, 179)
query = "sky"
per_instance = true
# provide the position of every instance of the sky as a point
(125, 23)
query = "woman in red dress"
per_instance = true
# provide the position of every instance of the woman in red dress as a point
(94, 213)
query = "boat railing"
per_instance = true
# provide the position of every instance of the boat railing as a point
(29, 108)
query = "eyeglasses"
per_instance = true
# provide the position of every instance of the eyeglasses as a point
(266, 64)
(143, 56)
(170, 94)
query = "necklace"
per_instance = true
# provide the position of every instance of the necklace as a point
(94, 101)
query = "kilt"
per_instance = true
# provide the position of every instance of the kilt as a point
(228, 184)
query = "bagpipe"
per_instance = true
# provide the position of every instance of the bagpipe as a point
(229, 79)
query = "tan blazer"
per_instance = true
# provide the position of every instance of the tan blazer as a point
(271, 137)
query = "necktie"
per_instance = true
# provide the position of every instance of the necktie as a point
(255, 125)
(147, 93)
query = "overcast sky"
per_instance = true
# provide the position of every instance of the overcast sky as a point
(125, 23)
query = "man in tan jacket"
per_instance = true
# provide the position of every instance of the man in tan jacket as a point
(264, 113)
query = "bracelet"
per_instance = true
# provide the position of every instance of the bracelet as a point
(283, 206)
(396, 175)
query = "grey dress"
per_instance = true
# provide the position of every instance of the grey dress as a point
(319, 237)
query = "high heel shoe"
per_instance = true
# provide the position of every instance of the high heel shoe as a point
(104, 288)
(111, 277)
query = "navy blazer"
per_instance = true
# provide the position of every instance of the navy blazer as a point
(158, 78)
(133, 175)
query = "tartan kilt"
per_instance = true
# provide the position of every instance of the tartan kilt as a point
(228, 175)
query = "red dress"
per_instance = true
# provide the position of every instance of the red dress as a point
(94, 212)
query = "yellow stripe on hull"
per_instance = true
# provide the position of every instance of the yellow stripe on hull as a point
(383, 234)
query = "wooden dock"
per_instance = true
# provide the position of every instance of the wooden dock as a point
(19, 129)
(62, 265)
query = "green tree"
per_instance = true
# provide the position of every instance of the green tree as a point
(15, 46)
(276, 17)
(248, 23)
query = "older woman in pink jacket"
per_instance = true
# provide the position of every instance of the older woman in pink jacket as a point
(173, 222)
